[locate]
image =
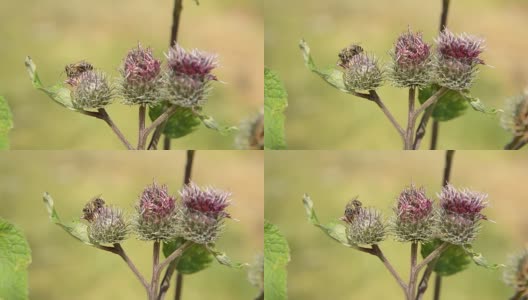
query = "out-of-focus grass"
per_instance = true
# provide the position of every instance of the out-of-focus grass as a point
(323, 269)
(55, 33)
(64, 268)
(320, 117)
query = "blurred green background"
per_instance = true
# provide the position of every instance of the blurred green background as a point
(321, 268)
(64, 268)
(58, 32)
(320, 117)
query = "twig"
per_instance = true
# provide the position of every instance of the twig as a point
(117, 249)
(177, 253)
(432, 100)
(142, 114)
(103, 115)
(422, 127)
(375, 97)
(377, 252)
(431, 256)
(413, 275)
(437, 286)
(409, 134)
(155, 265)
(161, 119)
(422, 287)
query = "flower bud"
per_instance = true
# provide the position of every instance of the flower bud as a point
(460, 215)
(515, 116)
(414, 218)
(251, 135)
(106, 225)
(156, 214)
(364, 225)
(91, 90)
(457, 59)
(187, 82)
(362, 73)
(141, 78)
(516, 274)
(411, 61)
(202, 213)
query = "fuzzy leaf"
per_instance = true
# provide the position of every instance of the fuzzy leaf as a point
(223, 259)
(15, 257)
(57, 93)
(451, 261)
(334, 230)
(275, 102)
(276, 257)
(6, 123)
(477, 105)
(182, 123)
(450, 106)
(193, 260)
(480, 260)
(210, 123)
(77, 230)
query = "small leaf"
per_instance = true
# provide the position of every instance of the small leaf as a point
(275, 102)
(334, 230)
(182, 123)
(450, 106)
(15, 257)
(193, 260)
(210, 123)
(76, 229)
(477, 105)
(6, 123)
(480, 260)
(451, 261)
(57, 93)
(276, 257)
(223, 259)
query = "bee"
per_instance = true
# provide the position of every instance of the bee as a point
(352, 209)
(347, 53)
(92, 208)
(76, 69)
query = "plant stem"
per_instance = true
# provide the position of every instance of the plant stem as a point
(437, 287)
(142, 114)
(373, 96)
(377, 252)
(427, 109)
(432, 100)
(103, 115)
(436, 253)
(166, 142)
(161, 119)
(179, 286)
(177, 253)
(413, 275)
(409, 134)
(516, 143)
(155, 264)
(422, 287)
(422, 127)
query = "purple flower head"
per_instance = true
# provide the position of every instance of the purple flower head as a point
(413, 205)
(462, 47)
(140, 66)
(155, 203)
(195, 64)
(464, 203)
(410, 49)
(209, 201)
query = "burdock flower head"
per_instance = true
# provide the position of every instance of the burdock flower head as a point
(202, 213)
(156, 211)
(457, 59)
(106, 225)
(460, 214)
(91, 90)
(411, 61)
(414, 218)
(188, 80)
(361, 72)
(515, 116)
(141, 74)
(365, 225)
(516, 274)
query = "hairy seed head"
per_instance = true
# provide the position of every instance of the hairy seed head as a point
(91, 91)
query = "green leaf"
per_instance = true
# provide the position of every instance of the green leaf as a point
(210, 123)
(276, 257)
(195, 259)
(77, 230)
(477, 105)
(6, 123)
(182, 123)
(334, 230)
(451, 105)
(57, 93)
(275, 102)
(331, 75)
(451, 261)
(223, 259)
(15, 257)
(480, 260)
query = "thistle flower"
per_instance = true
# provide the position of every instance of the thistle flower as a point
(156, 213)
(141, 77)
(106, 225)
(202, 213)
(251, 135)
(188, 80)
(460, 214)
(362, 73)
(515, 116)
(411, 61)
(457, 59)
(91, 90)
(516, 274)
(414, 218)
(364, 225)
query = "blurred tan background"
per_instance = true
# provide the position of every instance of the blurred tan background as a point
(58, 32)
(64, 268)
(321, 268)
(320, 117)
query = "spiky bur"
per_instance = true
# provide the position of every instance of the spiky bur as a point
(516, 273)
(515, 116)
(106, 225)
(365, 225)
(156, 212)
(187, 82)
(140, 77)
(457, 59)
(202, 213)
(414, 216)
(411, 64)
(251, 135)
(460, 214)
(91, 90)
(361, 72)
